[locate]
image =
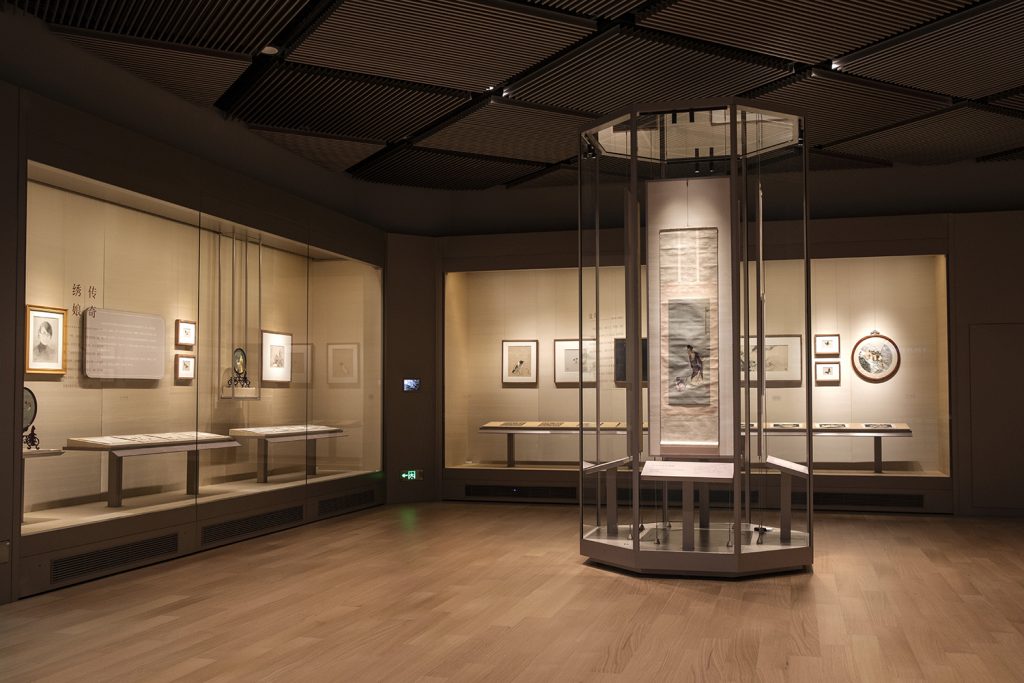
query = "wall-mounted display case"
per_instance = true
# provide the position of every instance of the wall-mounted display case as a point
(181, 364)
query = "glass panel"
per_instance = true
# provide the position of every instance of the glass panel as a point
(109, 390)
(175, 357)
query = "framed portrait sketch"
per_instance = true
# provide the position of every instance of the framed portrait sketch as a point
(875, 358)
(826, 373)
(343, 363)
(45, 340)
(826, 345)
(184, 367)
(573, 364)
(519, 363)
(783, 356)
(277, 356)
(184, 333)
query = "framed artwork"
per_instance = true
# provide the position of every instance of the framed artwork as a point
(827, 373)
(572, 364)
(184, 368)
(519, 362)
(277, 356)
(184, 333)
(45, 340)
(875, 358)
(782, 360)
(619, 361)
(302, 363)
(343, 363)
(826, 345)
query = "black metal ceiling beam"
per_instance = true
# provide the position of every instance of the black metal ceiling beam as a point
(550, 168)
(290, 37)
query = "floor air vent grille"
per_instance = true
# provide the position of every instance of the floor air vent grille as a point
(349, 501)
(523, 492)
(215, 533)
(106, 559)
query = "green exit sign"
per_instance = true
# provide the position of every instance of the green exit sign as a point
(412, 475)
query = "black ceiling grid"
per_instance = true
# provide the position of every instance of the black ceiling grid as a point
(313, 100)
(975, 53)
(808, 31)
(1011, 100)
(508, 129)
(241, 27)
(445, 170)
(957, 134)
(556, 175)
(335, 154)
(449, 43)
(838, 106)
(197, 76)
(626, 66)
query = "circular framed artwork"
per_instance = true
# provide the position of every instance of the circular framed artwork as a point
(875, 358)
(238, 361)
(29, 410)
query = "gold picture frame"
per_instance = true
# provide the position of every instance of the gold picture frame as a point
(45, 348)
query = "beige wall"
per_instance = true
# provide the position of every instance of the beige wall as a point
(142, 262)
(904, 297)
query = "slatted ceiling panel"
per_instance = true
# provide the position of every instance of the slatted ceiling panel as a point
(838, 108)
(1011, 102)
(445, 170)
(803, 30)
(955, 135)
(1012, 155)
(235, 26)
(627, 67)
(976, 56)
(605, 9)
(509, 130)
(306, 99)
(331, 153)
(451, 43)
(818, 161)
(558, 177)
(198, 77)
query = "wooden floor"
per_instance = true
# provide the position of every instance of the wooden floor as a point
(499, 592)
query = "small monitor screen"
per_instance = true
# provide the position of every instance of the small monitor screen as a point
(410, 385)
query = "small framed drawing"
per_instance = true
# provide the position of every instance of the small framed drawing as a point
(826, 345)
(343, 363)
(827, 373)
(619, 361)
(570, 362)
(185, 333)
(519, 363)
(876, 358)
(302, 363)
(184, 368)
(782, 360)
(45, 340)
(277, 356)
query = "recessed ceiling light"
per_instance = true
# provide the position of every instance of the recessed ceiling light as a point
(490, 87)
(269, 50)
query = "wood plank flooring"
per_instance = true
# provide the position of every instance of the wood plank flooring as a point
(462, 591)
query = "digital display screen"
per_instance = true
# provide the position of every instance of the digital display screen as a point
(410, 385)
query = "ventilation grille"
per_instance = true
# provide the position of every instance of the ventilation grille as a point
(349, 501)
(536, 492)
(839, 499)
(106, 559)
(223, 531)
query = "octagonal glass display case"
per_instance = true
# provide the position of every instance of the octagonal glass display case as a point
(711, 355)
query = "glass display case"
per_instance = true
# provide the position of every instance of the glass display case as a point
(175, 359)
(694, 486)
